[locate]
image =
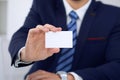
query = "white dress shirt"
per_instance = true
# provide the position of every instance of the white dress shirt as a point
(80, 12)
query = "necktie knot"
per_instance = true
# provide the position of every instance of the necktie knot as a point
(73, 15)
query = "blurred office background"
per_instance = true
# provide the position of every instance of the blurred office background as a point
(12, 16)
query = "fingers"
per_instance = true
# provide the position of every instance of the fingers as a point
(42, 28)
(40, 74)
(48, 27)
(52, 28)
(54, 50)
(43, 75)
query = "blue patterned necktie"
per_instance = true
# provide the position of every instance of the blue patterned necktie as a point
(66, 57)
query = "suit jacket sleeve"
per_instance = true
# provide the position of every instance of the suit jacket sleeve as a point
(19, 38)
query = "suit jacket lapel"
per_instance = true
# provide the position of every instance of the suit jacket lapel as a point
(60, 15)
(83, 33)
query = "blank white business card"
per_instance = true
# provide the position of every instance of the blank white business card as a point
(62, 39)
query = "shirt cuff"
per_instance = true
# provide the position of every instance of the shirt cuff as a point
(76, 76)
(18, 59)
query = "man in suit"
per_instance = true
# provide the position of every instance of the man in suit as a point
(96, 54)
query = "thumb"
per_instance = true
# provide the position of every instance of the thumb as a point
(54, 50)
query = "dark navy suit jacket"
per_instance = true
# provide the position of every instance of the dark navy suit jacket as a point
(97, 55)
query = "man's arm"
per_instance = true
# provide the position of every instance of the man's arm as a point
(19, 38)
(18, 60)
(25, 36)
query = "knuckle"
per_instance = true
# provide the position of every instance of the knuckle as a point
(47, 24)
(31, 30)
(39, 27)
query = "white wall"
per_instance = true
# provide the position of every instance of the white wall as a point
(17, 11)
(3, 7)
(113, 2)
(1, 62)
(8, 72)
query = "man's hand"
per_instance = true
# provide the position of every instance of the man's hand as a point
(35, 45)
(43, 75)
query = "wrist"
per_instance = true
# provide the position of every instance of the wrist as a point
(23, 56)
(65, 76)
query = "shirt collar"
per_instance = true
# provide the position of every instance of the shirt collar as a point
(80, 12)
